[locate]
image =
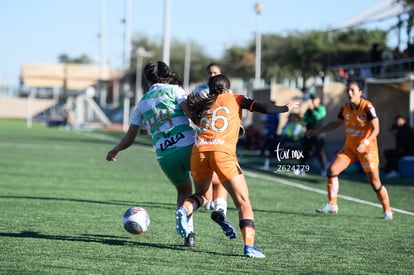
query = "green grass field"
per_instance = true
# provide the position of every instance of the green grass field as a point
(62, 204)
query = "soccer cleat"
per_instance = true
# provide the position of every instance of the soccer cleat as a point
(181, 224)
(388, 216)
(190, 240)
(228, 228)
(328, 208)
(253, 252)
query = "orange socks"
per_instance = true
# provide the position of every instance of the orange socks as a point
(333, 188)
(382, 196)
(248, 231)
(248, 235)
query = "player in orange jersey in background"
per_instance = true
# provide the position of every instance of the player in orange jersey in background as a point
(219, 193)
(361, 131)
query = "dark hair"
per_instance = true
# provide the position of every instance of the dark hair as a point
(159, 72)
(212, 64)
(400, 116)
(314, 96)
(217, 84)
(358, 83)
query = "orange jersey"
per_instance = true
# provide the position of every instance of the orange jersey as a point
(357, 128)
(358, 122)
(220, 124)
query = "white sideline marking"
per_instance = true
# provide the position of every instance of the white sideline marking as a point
(319, 191)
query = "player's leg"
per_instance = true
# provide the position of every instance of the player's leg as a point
(339, 164)
(210, 203)
(237, 188)
(184, 191)
(177, 168)
(370, 164)
(185, 212)
(202, 175)
(219, 195)
(232, 178)
(381, 192)
(225, 165)
(219, 214)
(199, 198)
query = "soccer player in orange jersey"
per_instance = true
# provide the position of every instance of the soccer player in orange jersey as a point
(219, 193)
(361, 131)
(219, 118)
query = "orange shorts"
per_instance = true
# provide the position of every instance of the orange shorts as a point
(369, 160)
(203, 164)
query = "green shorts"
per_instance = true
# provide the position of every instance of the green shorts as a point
(177, 166)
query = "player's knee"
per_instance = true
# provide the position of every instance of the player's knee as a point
(331, 172)
(377, 189)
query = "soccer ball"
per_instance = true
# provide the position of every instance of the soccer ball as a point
(136, 220)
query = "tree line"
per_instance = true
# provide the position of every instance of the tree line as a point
(287, 56)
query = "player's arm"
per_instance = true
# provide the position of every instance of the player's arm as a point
(328, 127)
(186, 107)
(265, 107)
(124, 143)
(374, 121)
(374, 133)
(375, 129)
(268, 108)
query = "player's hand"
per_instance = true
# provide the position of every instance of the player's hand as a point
(111, 155)
(361, 148)
(293, 105)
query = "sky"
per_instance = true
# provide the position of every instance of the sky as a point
(38, 31)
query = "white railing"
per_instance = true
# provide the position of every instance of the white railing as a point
(394, 68)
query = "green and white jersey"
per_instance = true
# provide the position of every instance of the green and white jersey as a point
(160, 110)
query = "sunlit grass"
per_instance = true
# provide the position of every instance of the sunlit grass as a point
(62, 204)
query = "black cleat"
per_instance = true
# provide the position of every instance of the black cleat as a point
(190, 240)
(228, 228)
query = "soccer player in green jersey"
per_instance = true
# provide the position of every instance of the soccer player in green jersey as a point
(161, 111)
